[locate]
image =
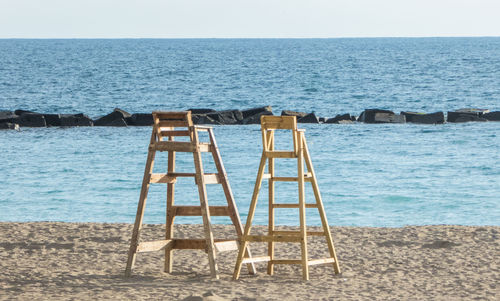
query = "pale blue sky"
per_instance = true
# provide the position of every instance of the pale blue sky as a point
(252, 19)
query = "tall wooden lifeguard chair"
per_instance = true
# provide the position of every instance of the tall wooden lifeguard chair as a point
(300, 152)
(166, 126)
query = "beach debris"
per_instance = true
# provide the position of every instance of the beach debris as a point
(115, 118)
(424, 118)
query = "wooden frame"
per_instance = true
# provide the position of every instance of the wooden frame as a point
(269, 154)
(164, 127)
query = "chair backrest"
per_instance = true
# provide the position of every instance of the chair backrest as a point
(278, 122)
(164, 124)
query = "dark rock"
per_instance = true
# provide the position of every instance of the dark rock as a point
(76, 120)
(52, 119)
(254, 111)
(9, 126)
(368, 115)
(293, 113)
(338, 118)
(463, 114)
(432, 118)
(204, 119)
(226, 117)
(469, 118)
(21, 112)
(353, 118)
(252, 116)
(492, 116)
(140, 119)
(7, 116)
(31, 120)
(116, 118)
(309, 118)
(322, 119)
(345, 122)
(201, 111)
(255, 119)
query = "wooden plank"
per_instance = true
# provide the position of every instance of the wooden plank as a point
(190, 244)
(211, 178)
(171, 114)
(294, 205)
(321, 209)
(196, 210)
(290, 179)
(271, 186)
(134, 242)
(320, 261)
(278, 122)
(286, 261)
(152, 246)
(256, 259)
(174, 133)
(172, 123)
(162, 178)
(274, 238)
(170, 214)
(205, 147)
(289, 232)
(205, 210)
(176, 146)
(266, 176)
(228, 245)
(302, 208)
(228, 193)
(280, 154)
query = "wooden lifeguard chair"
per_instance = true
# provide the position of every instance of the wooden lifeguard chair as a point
(166, 125)
(268, 125)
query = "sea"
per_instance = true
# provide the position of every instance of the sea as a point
(377, 175)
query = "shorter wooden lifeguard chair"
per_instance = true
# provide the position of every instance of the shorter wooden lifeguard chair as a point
(268, 125)
(166, 125)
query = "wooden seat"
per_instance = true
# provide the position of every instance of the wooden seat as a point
(300, 151)
(166, 126)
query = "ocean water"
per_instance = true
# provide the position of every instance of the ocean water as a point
(369, 175)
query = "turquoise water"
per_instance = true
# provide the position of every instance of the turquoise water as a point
(369, 175)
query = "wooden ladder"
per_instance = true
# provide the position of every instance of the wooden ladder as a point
(301, 153)
(166, 125)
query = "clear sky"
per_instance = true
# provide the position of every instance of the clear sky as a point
(247, 19)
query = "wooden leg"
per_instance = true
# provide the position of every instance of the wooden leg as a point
(321, 210)
(205, 211)
(169, 226)
(270, 247)
(233, 210)
(302, 210)
(251, 213)
(140, 212)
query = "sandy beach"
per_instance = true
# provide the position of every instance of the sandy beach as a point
(65, 261)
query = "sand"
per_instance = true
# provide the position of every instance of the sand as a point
(65, 261)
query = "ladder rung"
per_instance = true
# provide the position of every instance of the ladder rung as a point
(174, 133)
(309, 233)
(286, 261)
(151, 246)
(307, 178)
(256, 259)
(228, 245)
(210, 178)
(280, 154)
(196, 210)
(178, 146)
(320, 261)
(294, 206)
(201, 244)
(272, 238)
